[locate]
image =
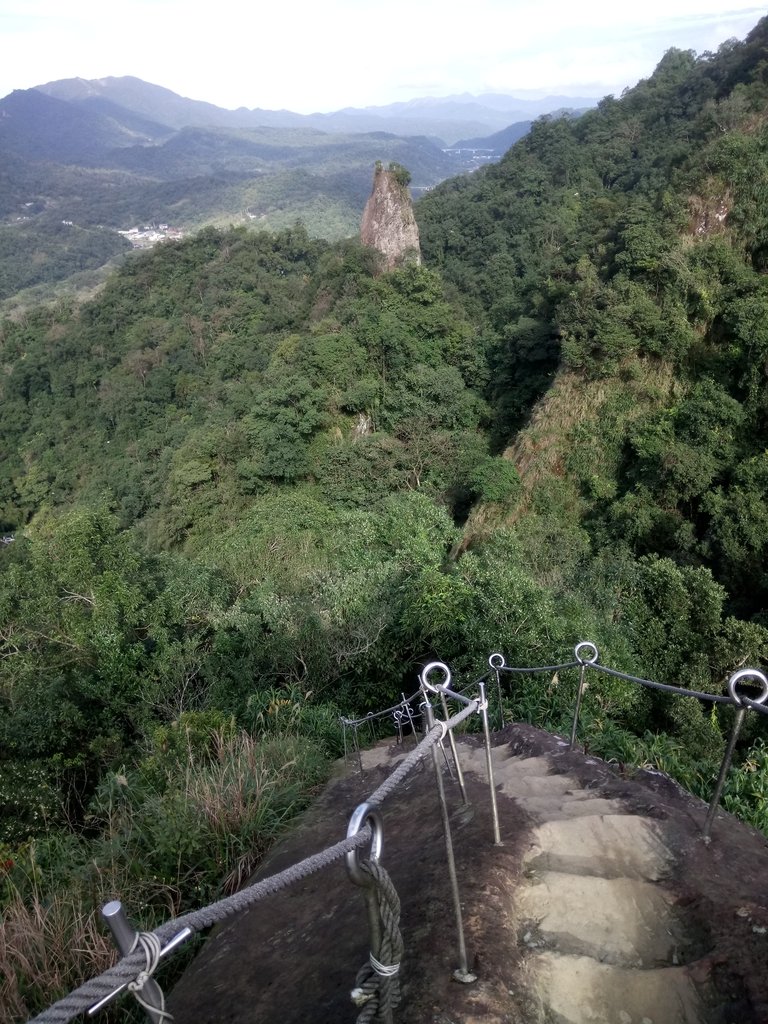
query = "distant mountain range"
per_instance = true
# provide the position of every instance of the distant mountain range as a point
(445, 119)
(81, 160)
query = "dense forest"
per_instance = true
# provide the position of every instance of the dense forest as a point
(254, 483)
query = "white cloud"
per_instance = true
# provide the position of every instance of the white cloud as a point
(310, 56)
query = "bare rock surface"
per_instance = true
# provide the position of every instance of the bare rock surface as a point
(388, 224)
(602, 905)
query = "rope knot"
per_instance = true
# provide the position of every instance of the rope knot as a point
(360, 997)
(152, 948)
(383, 970)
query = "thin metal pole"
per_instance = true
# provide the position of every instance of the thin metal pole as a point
(440, 743)
(576, 710)
(462, 973)
(585, 661)
(498, 694)
(455, 753)
(755, 678)
(724, 766)
(497, 663)
(124, 935)
(411, 722)
(356, 742)
(397, 716)
(489, 763)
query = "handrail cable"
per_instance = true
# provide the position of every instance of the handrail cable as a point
(679, 691)
(373, 716)
(738, 700)
(95, 992)
(762, 708)
(128, 967)
(538, 668)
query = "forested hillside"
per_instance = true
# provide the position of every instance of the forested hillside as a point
(255, 482)
(619, 262)
(74, 174)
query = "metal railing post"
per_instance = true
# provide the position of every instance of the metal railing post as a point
(497, 663)
(126, 936)
(409, 714)
(584, 663)
(736, 678)
(489, 765)
(455, 754)
(462, 973)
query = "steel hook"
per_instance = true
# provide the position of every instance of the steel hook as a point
(362, 815)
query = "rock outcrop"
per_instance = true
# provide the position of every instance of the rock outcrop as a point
(389, 225)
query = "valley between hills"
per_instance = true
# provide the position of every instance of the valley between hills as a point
(92, 168)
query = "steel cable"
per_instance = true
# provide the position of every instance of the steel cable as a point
(681, 691)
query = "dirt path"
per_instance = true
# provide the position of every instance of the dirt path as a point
(602, 904)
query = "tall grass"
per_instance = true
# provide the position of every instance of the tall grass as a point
(189, 824)
(49, 942)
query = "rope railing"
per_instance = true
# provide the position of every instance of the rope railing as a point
(679, 691)
(735, 698)
(373, 716)
(755, 706)
(143, 950)
(376, 990)
(401, 713)
(95, 993)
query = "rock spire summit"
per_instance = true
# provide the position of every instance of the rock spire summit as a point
(388, 224)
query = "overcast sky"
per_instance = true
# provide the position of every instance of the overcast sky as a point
(320, 55)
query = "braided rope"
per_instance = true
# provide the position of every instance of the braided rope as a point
(377, 985)
(418, 753)
(129, 967)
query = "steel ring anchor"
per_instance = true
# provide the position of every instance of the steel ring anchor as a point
(364, 814)
(436, 687)
(592, 659)
(757, 678)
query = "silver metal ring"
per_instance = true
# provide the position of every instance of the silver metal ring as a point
(364, 814)
(586, 661)
(501, 663)
(748, 673)
(445, 685)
